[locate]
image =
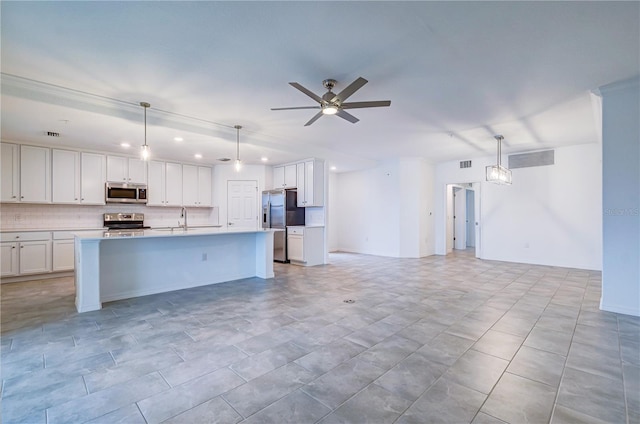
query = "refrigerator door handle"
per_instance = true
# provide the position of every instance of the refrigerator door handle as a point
(268, 214)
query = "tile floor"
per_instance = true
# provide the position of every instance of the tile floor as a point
(440, 339)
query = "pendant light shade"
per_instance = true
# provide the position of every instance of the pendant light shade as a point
(497, 173)
(238, 164)
(145, 152)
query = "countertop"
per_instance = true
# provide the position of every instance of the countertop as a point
(170, 232)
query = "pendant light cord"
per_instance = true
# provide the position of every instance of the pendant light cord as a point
(237, 127)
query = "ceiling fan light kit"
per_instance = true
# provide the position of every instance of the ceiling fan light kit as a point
(334, 104)
(497, 173)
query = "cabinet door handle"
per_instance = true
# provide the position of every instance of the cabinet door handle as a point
(13, 247)
(13, 197)
(21, 247)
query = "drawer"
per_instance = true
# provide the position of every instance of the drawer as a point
(26, 236)
(295, 230)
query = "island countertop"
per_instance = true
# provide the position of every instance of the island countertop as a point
(169, 232)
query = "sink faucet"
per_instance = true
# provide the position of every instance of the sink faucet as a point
(183, 214)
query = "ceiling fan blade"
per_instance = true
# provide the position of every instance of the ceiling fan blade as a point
(307, 92)
(350, 89)
(296, 107)
(314, 119)
(357, 105)
(344, 115)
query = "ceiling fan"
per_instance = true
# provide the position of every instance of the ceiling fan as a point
(334, 104)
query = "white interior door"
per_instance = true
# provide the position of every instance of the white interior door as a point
(242, 203)
(460, 218)
(470, 219)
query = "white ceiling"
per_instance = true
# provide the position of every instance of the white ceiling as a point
(456, 73)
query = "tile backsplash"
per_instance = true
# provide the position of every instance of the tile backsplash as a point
(19, 216)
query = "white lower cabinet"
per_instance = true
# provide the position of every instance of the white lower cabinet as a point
(27, 253)
(305, 245)
(295, 246)
(63, 251)
(9, 257)
(35, 257)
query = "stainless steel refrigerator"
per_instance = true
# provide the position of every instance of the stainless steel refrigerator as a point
(280, 209)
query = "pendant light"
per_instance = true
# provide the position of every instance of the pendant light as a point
(238, 164)
(497, 173)
(145, 152)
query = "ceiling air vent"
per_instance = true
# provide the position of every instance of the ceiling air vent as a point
(465, 164)
(53, 134)
(526, 160)
(224, 159)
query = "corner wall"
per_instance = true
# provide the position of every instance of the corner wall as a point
(621, 197)
(384, 210)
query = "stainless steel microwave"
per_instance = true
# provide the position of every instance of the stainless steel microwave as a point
(125, 193)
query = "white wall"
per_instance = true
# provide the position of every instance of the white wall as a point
(332, 212)
(223, 173)
(385, 210)
(621, 197)
(550, 215)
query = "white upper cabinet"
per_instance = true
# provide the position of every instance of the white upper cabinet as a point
(126, 170)
(310, 183)
(284, 176)
(35, 174)
(65, 178)
(93, 175)
(205, 186)
(165, 184)
(156, 184)
(78, 177)
(10, 173)
(173, 187)
(196, 186)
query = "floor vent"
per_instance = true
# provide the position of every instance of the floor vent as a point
(526, 160)
(465, 164)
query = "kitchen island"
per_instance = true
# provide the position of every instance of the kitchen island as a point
(160, 260)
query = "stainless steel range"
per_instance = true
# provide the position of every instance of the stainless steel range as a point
(124, 224)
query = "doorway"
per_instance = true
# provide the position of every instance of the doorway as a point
(242, 203)
(463, 217)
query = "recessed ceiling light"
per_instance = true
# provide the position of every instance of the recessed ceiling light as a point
(333, 168)
(125, 145)
(178, 139)
(197, 156)
(264, 159)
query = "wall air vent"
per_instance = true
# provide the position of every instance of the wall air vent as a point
(53, 134)
(465, 164)
(526, 160)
